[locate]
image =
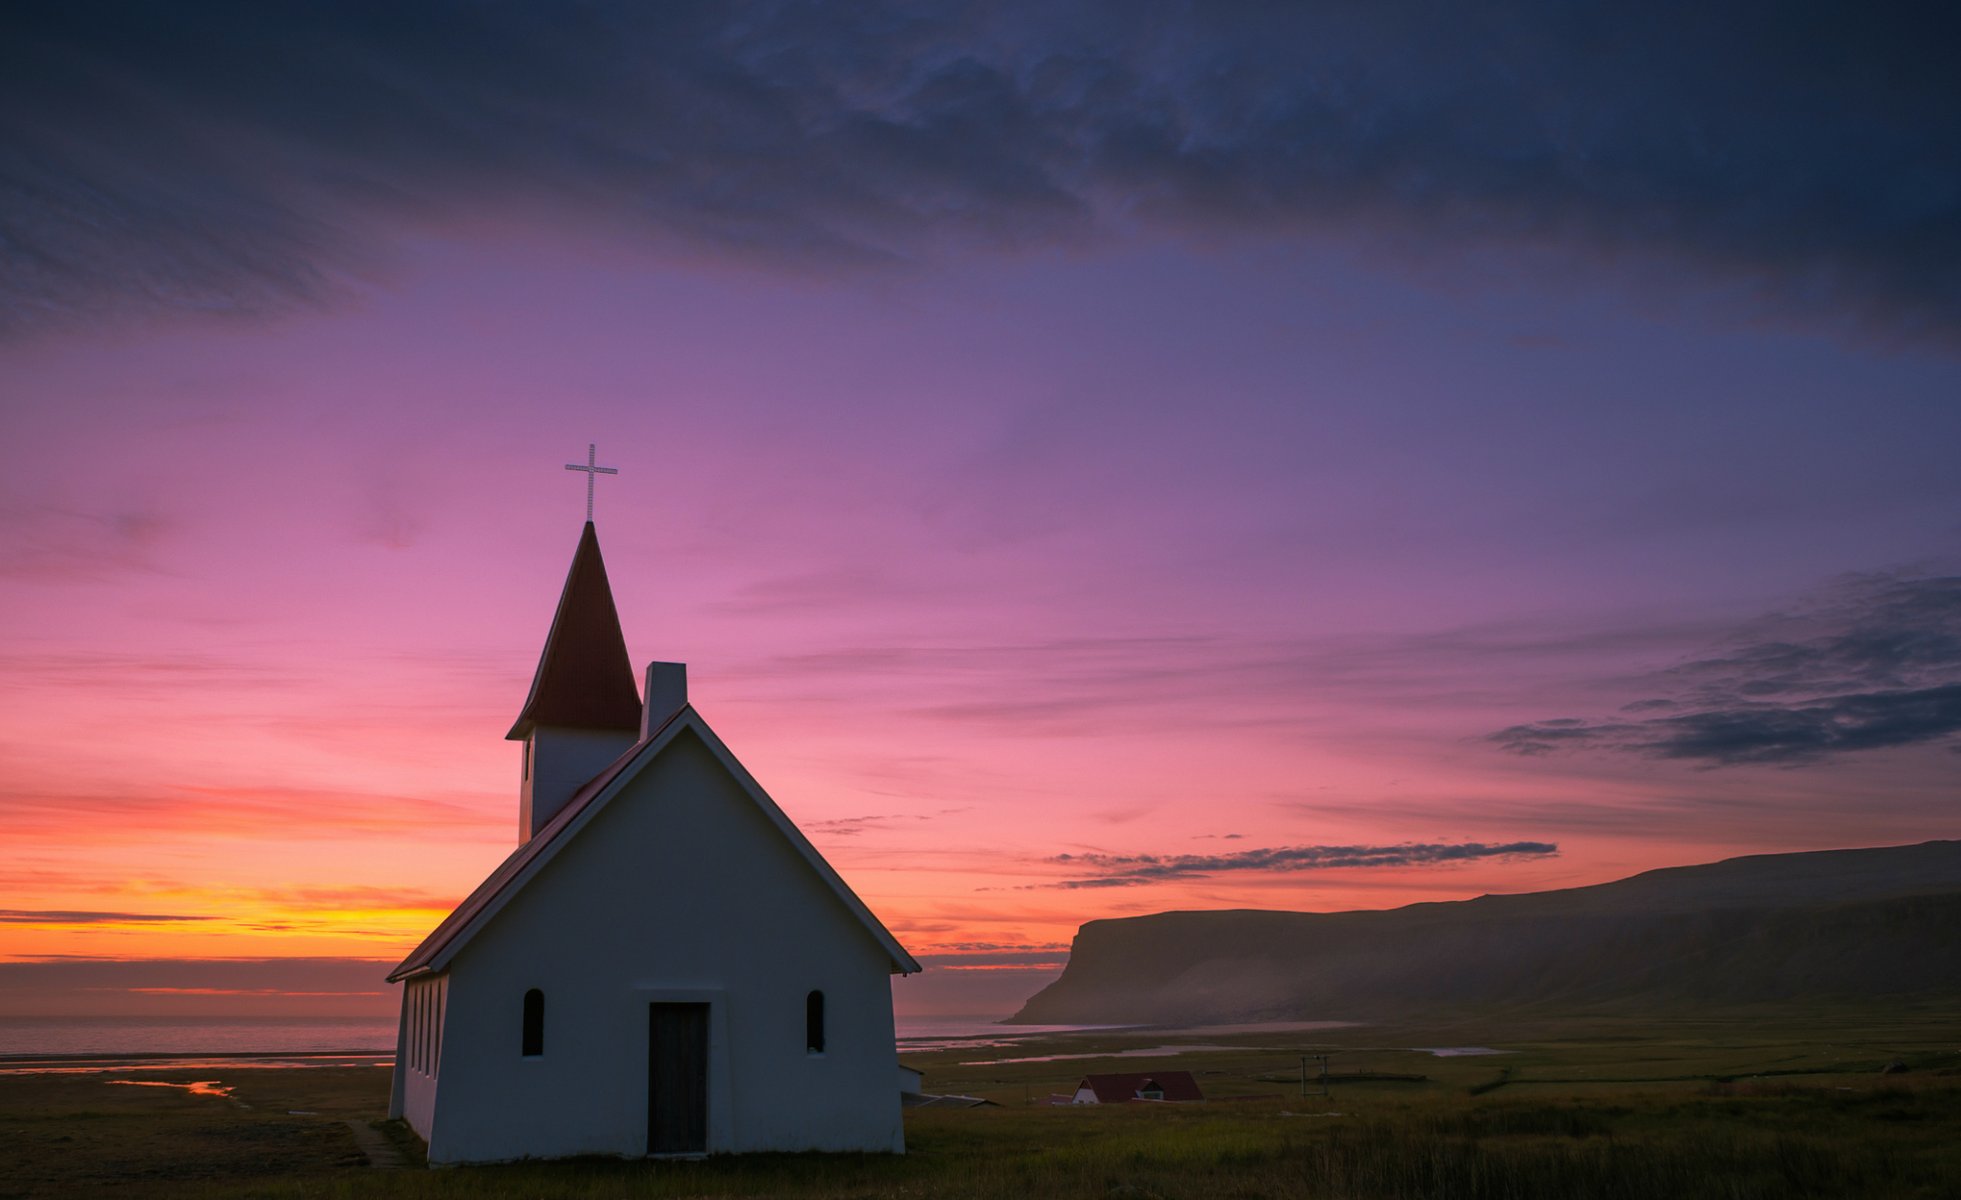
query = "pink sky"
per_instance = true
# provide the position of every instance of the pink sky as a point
(1208, 553)
(274, 591)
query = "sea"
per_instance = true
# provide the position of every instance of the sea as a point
(70, 1037)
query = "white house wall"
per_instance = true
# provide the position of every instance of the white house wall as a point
(680, 889)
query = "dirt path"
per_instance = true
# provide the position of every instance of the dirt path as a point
(381, 1152)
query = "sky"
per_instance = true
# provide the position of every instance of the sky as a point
(1094, 459)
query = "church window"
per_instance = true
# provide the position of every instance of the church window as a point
(534, 1023)
(813, 1023)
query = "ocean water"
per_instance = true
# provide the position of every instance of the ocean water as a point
(37, 1036)
(21, 1036)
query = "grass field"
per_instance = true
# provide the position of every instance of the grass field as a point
(1678, 1110)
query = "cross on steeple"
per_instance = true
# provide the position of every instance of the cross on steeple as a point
(593, 471)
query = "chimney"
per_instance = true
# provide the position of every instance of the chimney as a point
(667, 692)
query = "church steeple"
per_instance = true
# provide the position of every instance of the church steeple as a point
(583, 710)
(584, 679)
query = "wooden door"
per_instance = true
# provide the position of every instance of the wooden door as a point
(677, 1079)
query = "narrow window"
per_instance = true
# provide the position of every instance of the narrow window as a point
(813, 1023)
(534, 1023)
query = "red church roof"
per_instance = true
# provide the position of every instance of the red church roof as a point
(1116, 1089)
(584, 679)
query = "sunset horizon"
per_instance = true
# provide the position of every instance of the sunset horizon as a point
(1093, 463)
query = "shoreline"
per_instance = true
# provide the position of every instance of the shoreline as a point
(977, 1037)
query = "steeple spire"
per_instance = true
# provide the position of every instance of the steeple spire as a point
(584, 679)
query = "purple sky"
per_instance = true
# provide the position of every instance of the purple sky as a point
(1094, 460)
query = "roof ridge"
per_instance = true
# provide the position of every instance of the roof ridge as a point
(482, 904)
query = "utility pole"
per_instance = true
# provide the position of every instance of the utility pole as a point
(1324, 1073)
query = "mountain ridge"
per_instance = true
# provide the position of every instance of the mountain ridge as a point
(1851, 924)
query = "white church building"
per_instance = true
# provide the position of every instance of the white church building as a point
(664, 965)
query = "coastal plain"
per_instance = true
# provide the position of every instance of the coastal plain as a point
(1853, 1103)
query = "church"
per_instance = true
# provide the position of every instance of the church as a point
(664, 965)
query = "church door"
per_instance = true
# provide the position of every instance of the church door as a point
(677, 1079)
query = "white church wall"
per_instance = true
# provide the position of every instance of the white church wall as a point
(398, 1073)
(680, 888)
(556, 763)
(419, 1058)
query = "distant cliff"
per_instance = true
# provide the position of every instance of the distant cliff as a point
(1828, 925)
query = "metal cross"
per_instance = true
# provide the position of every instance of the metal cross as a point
(593, 470)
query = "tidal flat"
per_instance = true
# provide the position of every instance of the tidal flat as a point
(1752, 1104)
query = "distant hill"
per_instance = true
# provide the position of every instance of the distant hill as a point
(1827, 925)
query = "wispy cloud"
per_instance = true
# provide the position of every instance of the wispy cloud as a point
(238, 158)
(45, 544)
(1873, 664)
(43, 916)
(1133, 870)
(132, 986)
(237, 812)
(1029, 959)
(164, 674)
(1073, 686)
(1050, 964)
(851, 826)
(283, 993)
(1020, 948)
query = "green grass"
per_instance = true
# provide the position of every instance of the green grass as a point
(1734, 1110)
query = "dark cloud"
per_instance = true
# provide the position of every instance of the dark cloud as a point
(1873, 664)
(1132, 870)
(1043, 948)
(46, 916)
(240, 157)
(1021, 958)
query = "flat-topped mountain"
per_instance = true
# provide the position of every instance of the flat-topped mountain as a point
(1826, 925)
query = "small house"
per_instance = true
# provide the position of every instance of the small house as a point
(1159, 1086)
